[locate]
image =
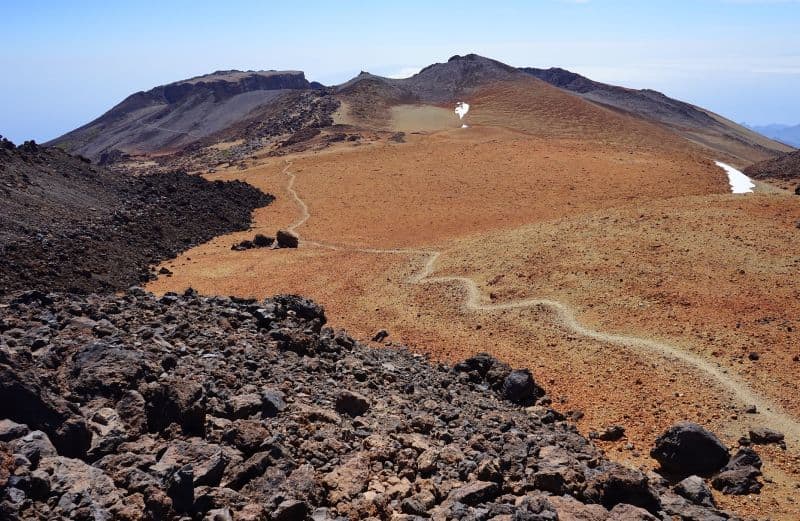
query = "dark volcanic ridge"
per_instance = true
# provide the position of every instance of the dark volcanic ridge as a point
(438, 83)
(67, 225)
(782, 168)
(186, 407)
(205, 109)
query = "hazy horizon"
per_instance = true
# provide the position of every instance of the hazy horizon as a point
(65, 65)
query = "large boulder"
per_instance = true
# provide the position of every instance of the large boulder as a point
(103, 369)
(78, 487)
(351, 403)
(616, 484)
(520, 388)
(287, 239)
(39, 409)
(687, 448)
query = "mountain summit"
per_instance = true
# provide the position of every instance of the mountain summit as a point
(171, 116)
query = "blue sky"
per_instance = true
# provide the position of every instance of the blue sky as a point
(65, 63)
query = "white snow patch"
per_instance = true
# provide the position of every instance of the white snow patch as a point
(740, 183)
(461, 109)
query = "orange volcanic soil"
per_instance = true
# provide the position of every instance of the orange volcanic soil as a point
(628, 227)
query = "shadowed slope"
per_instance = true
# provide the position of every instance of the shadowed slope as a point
(171, 116)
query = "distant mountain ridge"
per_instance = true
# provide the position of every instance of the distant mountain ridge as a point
(789, 134)
(232, 104)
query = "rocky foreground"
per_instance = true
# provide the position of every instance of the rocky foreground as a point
(186, 407)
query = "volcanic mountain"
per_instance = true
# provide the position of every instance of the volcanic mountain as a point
(170, 117)
(593, 244)
(231, 105)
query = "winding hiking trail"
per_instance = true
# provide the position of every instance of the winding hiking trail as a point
(770, 414)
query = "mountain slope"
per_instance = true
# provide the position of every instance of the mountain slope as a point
(71, 226)
(692, 122)
(172, 116)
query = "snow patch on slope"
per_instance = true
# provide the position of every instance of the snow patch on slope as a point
(740, 183)
(462, 108)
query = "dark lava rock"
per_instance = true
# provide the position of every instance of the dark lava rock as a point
(244, 245)
(520, 388)
(474, 493)
(71, 226)
(287, 239)
(262, 241)
(740, 475)
(180, 489)
(612, 433)
(179, 402)
(739, 481)
(764, 436)
(618, 484)
(353, 404)
(259, 241)
(10, 430)
(224, 408)
(380, 336)
(687, 448)
(104, 369)
(37, 408)
(291, 510)
(272, 403)
(695, 490)
(744, 457)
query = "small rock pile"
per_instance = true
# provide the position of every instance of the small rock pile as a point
(187, 407)
(283, 239)
(687, 450)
